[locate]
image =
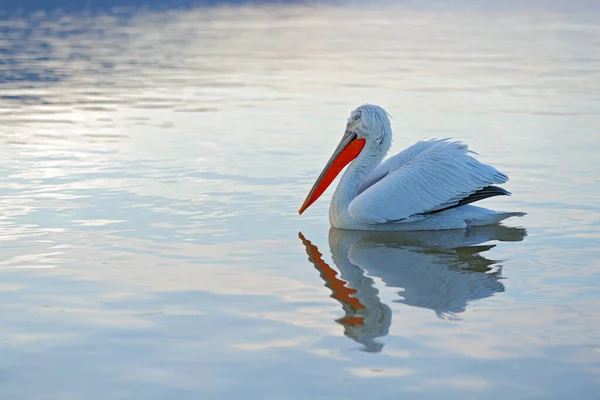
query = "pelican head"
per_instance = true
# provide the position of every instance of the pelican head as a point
(370, 122)
(369, 132)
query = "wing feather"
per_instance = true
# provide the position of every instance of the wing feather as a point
(397, 161)
(428, 176)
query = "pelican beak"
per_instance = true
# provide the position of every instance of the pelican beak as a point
(348, 149)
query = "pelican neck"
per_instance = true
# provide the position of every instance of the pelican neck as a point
(347, 189)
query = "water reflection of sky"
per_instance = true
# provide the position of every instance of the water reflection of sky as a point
(155, 160)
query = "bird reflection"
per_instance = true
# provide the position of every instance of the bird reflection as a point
(440, 270)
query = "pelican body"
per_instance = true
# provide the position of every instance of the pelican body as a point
(428, 186)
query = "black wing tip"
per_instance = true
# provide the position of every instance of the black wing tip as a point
(496, 191)
(481, 194)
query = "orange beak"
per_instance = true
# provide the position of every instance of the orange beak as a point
(348, 149)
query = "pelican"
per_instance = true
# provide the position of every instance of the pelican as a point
(428, 186)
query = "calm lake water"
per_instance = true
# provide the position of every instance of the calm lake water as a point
(153, 163)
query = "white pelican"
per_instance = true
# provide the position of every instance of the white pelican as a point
(427, 186)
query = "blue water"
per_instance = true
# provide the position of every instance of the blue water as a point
(154, 159)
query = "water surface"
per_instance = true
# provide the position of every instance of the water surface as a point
(153, 163)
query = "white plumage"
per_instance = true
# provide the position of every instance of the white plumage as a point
(426, 177)
(426, 186)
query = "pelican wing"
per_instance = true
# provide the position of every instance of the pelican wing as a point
(427, 177)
